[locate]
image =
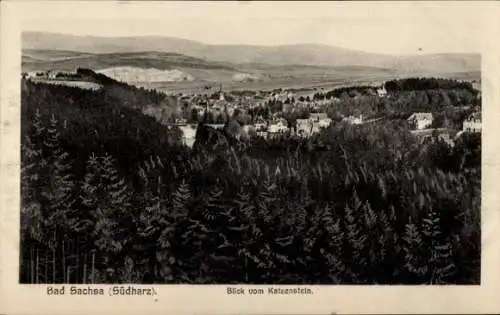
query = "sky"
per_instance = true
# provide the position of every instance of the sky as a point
(380, 27)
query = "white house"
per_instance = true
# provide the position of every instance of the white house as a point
(321, 120)
(420, 120)
(216, 126)
(306, 127)
(230, 110)
(316, 122)
(51, 74)
(472, 123)
(324, 123)
(249, 129)
(188, 134)
(180, 121)
(260, 124)
(353, 120)
(381, 92)
(277, 127)
(31, 74)
(316, 117)
(303, 127)
(476, 85)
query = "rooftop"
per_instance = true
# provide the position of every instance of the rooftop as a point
(475, 116)
(421, 116)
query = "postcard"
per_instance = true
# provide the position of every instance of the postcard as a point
(252, 157)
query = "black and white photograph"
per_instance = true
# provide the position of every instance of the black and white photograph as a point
(252, 150)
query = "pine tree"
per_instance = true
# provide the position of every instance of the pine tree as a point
(31, 179)
(108, 202)
(33, 221)
(415, 262)
(388, 249)
(33, 237)
(440, 256)
(37, 129)
(230, 236)
(149, 228)
(335, 247)
(356, 237)
(371, 220)
(57, 197)
(180, 200)
(31, 215)
(264, 201)
(244, 215)
(170, 238)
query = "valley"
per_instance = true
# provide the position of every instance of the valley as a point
(174, 65)
(176, 73)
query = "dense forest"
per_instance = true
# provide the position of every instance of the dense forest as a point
(450, 100)
(419, 84)
(109, 195)
(398, 85)
(349, 91)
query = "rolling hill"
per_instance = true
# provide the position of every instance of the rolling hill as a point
(300, 54)
(151, 67)
(66, 60)
(170, 63)
(136, 67)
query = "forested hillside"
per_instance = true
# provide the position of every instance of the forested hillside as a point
(107, 120)
(109, 196)
(449, 100)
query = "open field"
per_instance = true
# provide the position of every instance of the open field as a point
(305, 83)
(295, 83)
(81, 84)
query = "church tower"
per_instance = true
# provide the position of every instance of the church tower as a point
(221, 94)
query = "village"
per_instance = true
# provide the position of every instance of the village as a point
(310, 120)
(272, 114)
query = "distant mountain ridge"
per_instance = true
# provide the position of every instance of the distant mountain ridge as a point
(299, 54)
(66, 60)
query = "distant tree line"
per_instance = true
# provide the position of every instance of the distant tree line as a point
(418, 84)
(242, 93)
(405, 103)
(398, 86)
(350, 91)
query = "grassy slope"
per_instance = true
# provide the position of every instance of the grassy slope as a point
(45, 60)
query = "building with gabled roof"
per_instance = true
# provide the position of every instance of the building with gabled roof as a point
(353, 120)
(305, 127)
(472, 123)
(420, 120)
(278, 126)
(188, 134)
(318, 116)
(381, 92)
(260, 124)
